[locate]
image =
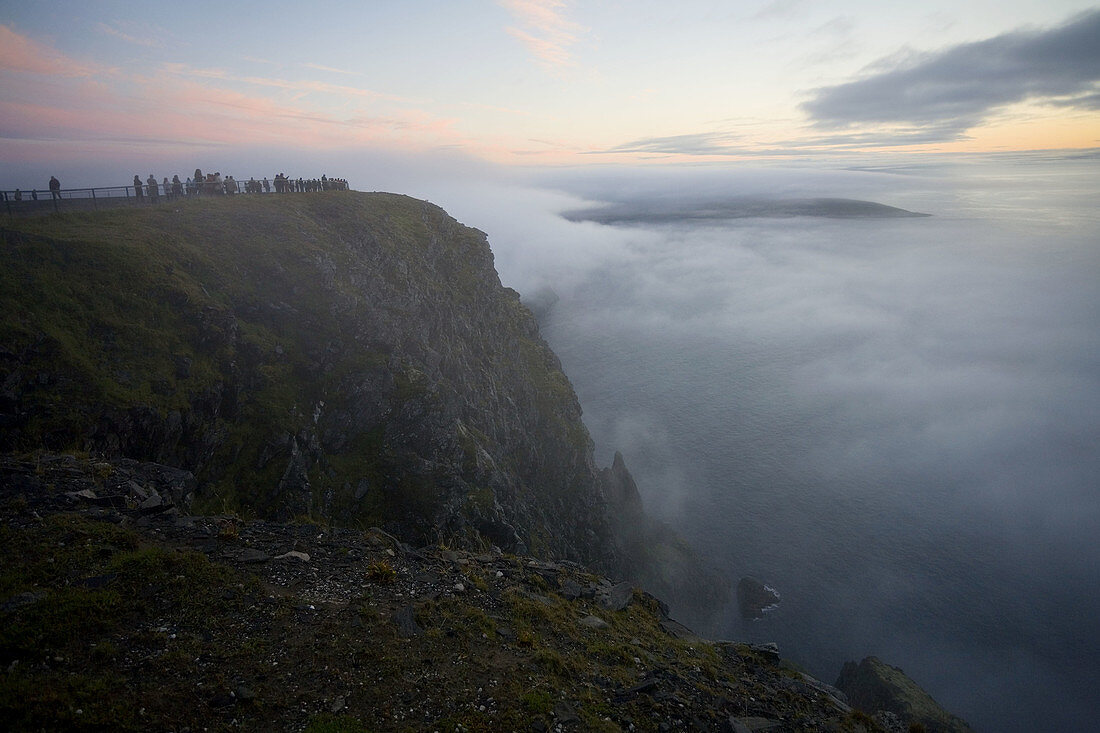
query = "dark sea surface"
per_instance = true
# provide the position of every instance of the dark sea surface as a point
(893, 421)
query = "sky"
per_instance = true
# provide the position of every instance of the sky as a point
(521, 83)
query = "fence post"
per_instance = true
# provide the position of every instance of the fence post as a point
(95, 204)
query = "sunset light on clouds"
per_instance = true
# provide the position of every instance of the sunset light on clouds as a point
(547, 82)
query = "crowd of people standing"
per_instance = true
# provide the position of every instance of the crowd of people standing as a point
(208, 184)
(212, 184)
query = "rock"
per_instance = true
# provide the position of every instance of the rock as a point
(815, 684)
(405, 619)
(294, 555)
(617, 597)
(152, 504)
(594, 622)
(754, 598)
(570, 590)
(566, 713)
(222, 700)
(28, 598)
(183, 366)
(86, 494)
(678, 630)
(753, 725)
(647, 685)
(874, 686)
(96, 581)
(251, 554)
(769, 650)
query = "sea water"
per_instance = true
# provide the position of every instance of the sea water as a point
(893, 422)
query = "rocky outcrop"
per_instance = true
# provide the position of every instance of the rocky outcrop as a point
(655, 555)
(755, 598)
(876, 687)
(145, 488)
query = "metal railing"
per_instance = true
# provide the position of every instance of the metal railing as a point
(32, 201)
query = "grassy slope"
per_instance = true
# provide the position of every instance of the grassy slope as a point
(106, 627)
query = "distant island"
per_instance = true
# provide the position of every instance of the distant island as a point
(741, 207)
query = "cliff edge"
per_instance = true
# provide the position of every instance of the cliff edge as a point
(346, 357)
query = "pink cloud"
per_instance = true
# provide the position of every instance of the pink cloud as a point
(21, 54)
(307, 85)
(51, 97)
(545, 31)
(332, 69)
(129, 38)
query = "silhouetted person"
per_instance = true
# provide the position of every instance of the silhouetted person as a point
(151, 188)
(199, 180)
(55, 187)
(177, 187)
(18, 195)
(137, 185)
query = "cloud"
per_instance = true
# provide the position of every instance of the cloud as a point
(779, 10)
(128, 37)
(736, 145)
(545, 31)
(332, 69)
(77, 106)
(300, 86)
(699, 143)
(958, 88)
(21, 54)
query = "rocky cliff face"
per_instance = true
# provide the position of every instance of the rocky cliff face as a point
(347, 357)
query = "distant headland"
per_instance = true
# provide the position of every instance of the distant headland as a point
(740, 207)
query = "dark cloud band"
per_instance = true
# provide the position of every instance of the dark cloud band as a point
(957, 88)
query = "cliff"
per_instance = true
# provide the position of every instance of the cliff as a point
(348, 358)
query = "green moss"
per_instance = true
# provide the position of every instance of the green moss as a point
(538, 702)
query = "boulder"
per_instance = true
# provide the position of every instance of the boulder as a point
(617, 597)
(754, 598)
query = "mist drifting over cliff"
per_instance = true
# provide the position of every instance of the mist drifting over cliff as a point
(892, 421)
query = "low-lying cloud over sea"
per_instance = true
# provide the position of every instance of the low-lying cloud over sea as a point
(892, 421)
